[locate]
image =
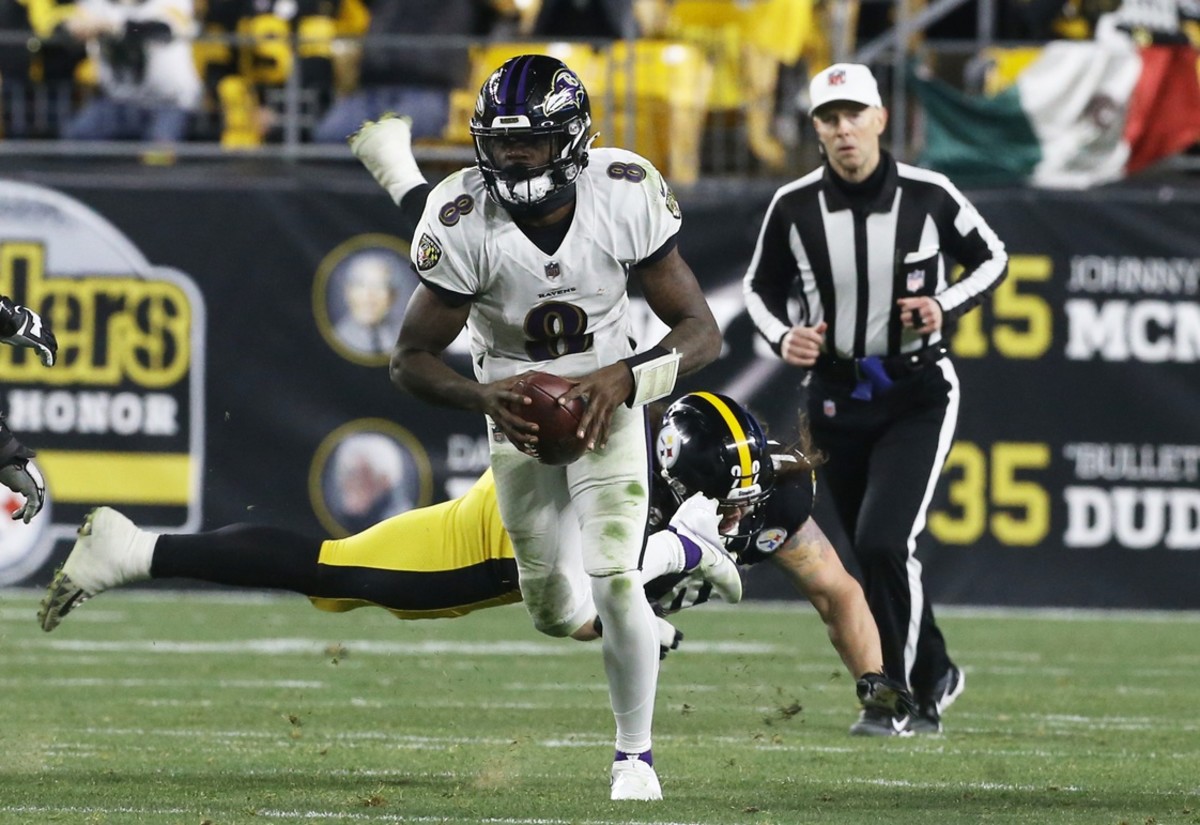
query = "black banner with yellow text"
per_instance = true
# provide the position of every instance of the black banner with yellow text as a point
(225, 334)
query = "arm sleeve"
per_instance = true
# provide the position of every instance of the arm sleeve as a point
(769, 278)
(412, 206)
(970, 241)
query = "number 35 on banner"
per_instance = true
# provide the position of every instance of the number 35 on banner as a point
(1017, 511)
(1023, 323)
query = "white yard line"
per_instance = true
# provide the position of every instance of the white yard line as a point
(33, 595)
(332, 816)
(305, 646)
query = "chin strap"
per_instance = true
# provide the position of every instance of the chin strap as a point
(538, 209)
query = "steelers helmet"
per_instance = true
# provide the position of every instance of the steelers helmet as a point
(537, 98)
(711, 444)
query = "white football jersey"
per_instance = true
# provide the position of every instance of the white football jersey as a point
(568, 312)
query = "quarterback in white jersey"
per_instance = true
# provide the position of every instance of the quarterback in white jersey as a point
(566, 311)
(531, 250)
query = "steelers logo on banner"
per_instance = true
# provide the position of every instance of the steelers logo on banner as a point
(119, 419)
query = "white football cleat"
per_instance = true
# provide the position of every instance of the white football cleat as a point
(111, 551)
(634, 779)
(385, 147)
(697, 520)
(719, 569)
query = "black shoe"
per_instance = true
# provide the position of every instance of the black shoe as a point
(875, 722)
(925, 721)
(928, 718)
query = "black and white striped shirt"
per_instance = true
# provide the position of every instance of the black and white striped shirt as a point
(848, 266)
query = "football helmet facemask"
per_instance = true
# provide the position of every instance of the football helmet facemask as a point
(535, 100)
(710, 444)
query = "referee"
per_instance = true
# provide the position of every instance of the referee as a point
(861, 242)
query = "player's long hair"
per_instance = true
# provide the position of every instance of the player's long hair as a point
(808, 457)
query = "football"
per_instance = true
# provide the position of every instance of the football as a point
(557, 425)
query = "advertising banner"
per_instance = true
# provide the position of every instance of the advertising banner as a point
(225, 335)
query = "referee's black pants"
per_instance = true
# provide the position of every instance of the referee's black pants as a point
(885, 457)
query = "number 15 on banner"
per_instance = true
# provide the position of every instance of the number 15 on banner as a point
(1023, 322)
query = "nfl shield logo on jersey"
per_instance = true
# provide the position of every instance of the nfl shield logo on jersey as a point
(915, 280)
(829, 408)
(553, 270)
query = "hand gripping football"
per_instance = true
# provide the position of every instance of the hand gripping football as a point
(557, 443)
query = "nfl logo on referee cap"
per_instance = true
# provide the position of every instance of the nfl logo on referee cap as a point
(844, 82)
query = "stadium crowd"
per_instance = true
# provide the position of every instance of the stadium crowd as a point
(244, 73)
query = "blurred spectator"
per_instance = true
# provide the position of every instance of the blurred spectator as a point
(37, 67)
(410, 80)
(1158, 21)
(1052, 19)
(15, 62)
(599, 19)
(147, 79)
(248, 78)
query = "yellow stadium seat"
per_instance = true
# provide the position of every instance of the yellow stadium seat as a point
(239, 113)
(352, 18)
(663, 113)
(316, 34)
(746, 42)
(715, 27)
(665, 106)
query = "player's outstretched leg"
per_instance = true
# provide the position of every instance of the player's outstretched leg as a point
(111, 551)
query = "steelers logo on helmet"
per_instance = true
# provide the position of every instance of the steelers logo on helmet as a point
(537, 103)
(667, 446)
(719, 449)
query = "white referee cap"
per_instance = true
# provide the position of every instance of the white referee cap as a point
(844, 81)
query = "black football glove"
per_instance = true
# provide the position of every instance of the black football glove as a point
(22, 327)
(878, 692)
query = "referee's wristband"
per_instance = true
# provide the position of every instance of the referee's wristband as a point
(653, 372)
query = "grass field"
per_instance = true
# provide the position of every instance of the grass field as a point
(208, 708)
